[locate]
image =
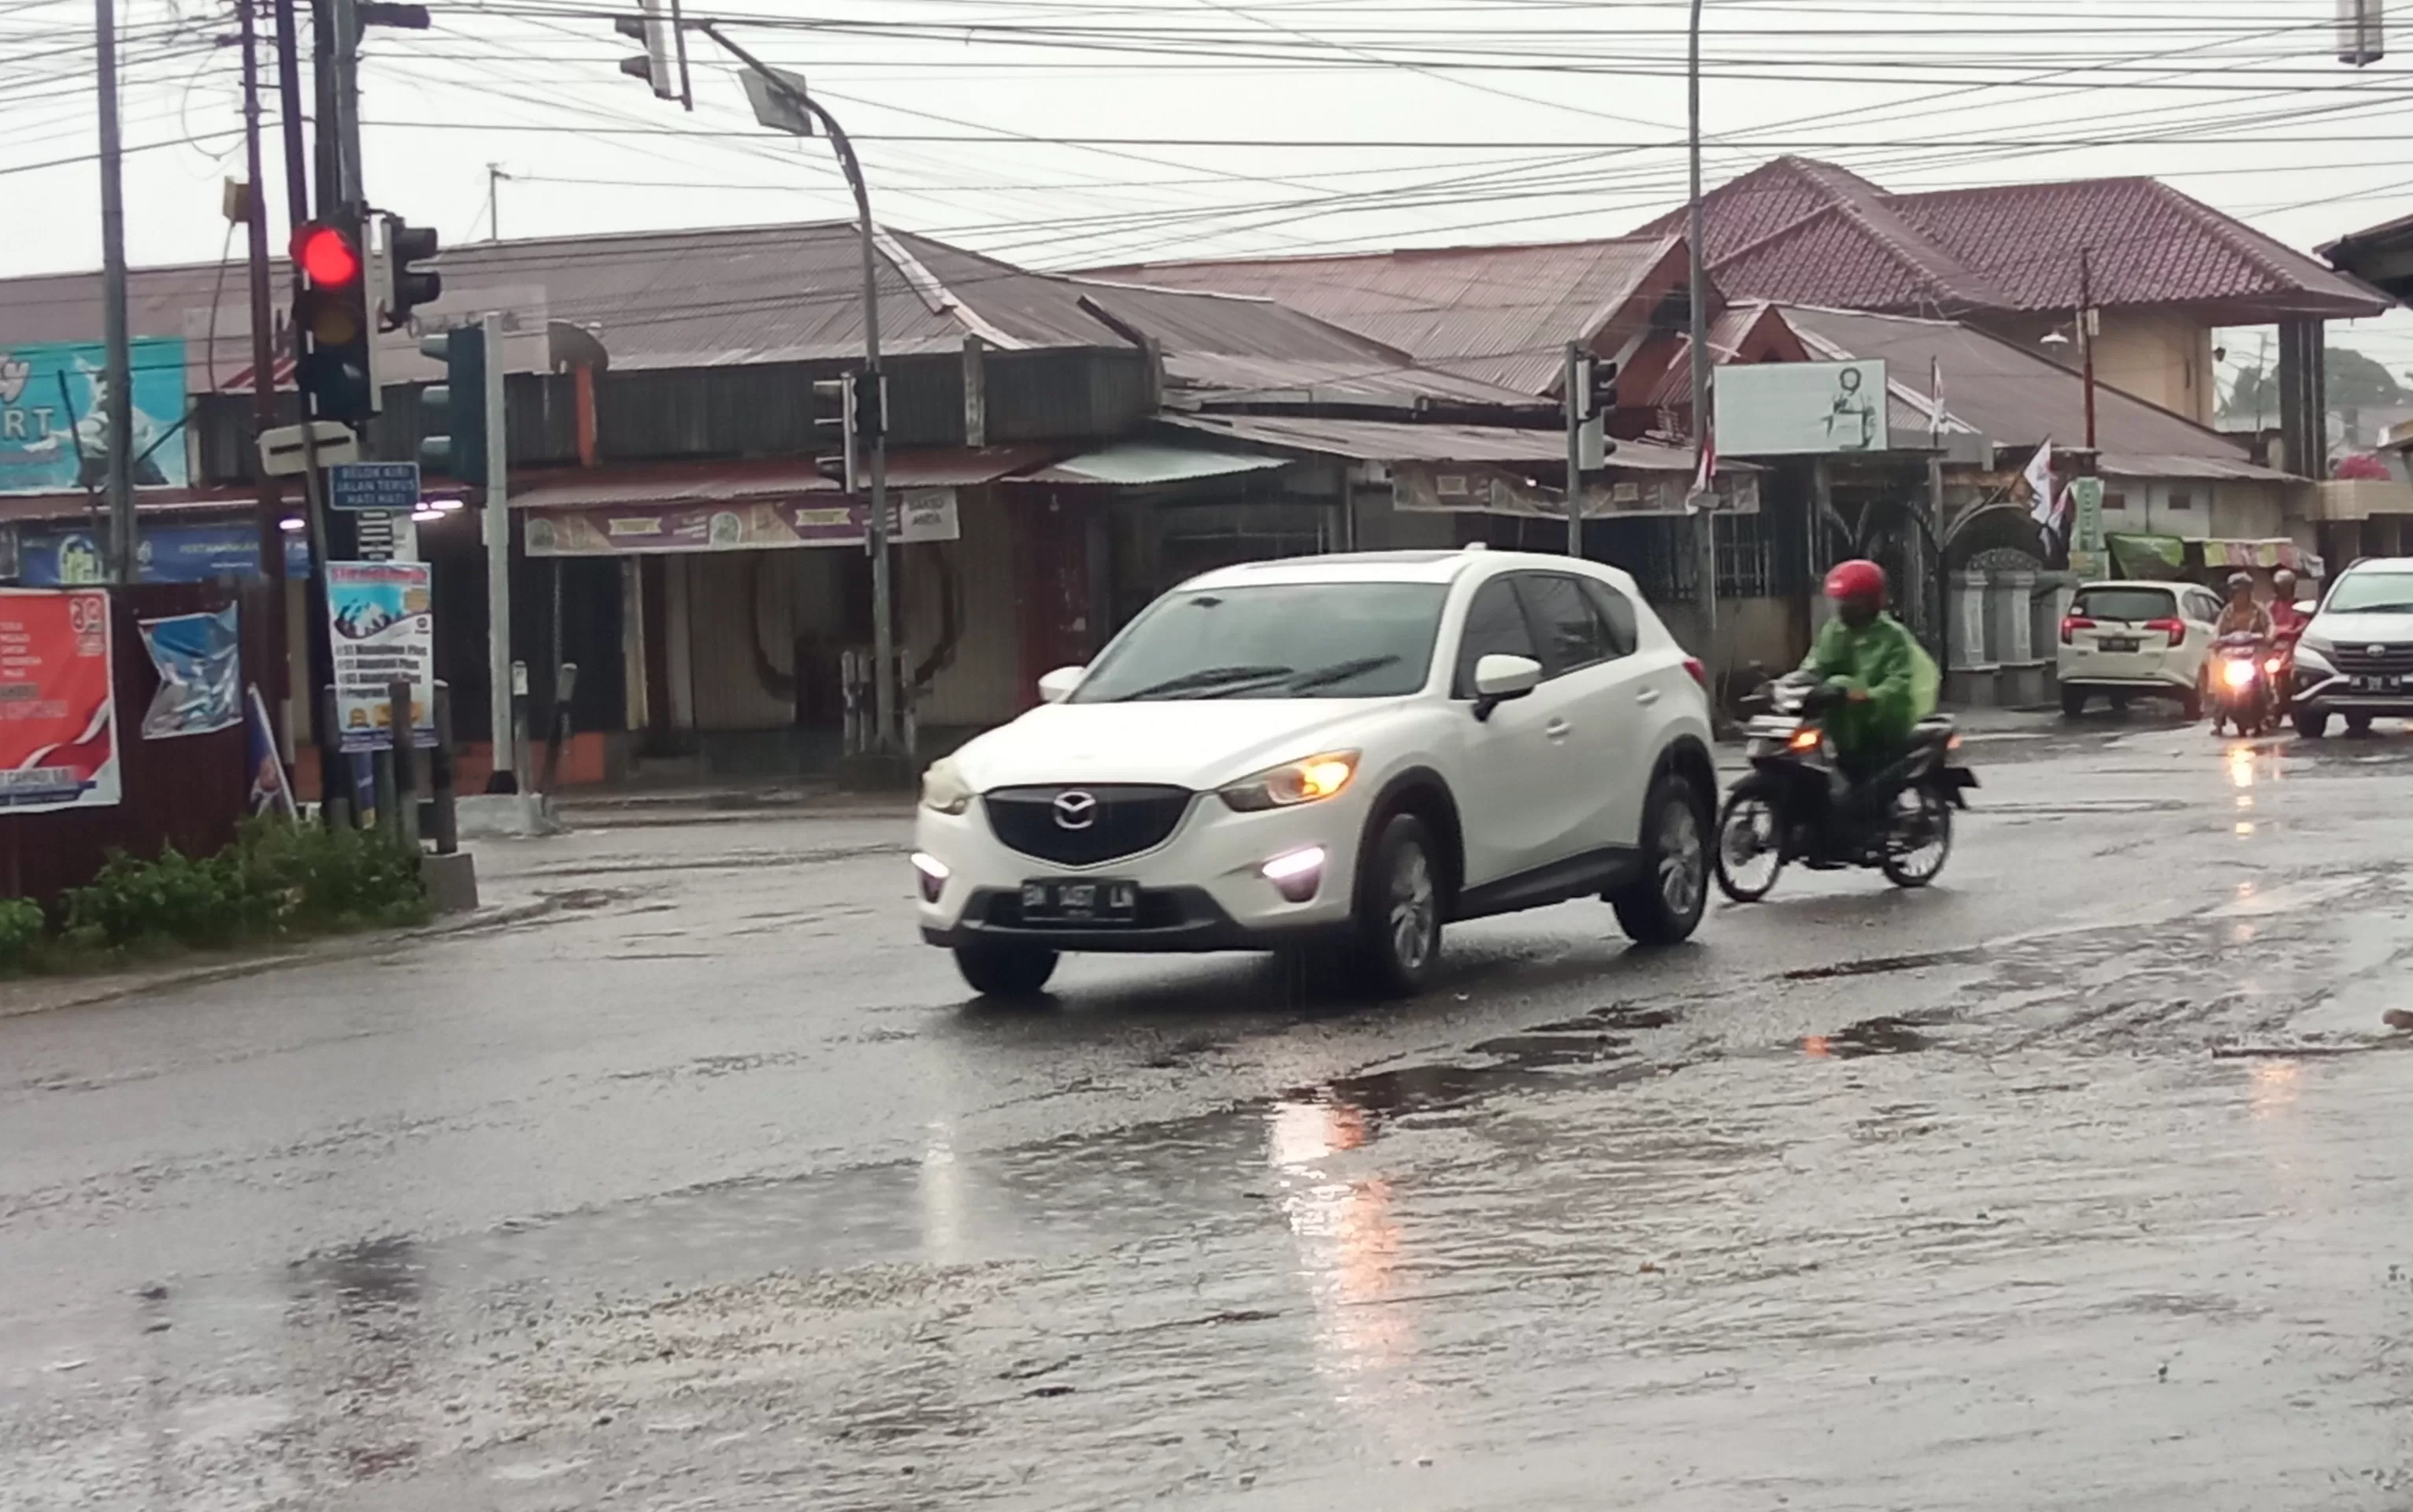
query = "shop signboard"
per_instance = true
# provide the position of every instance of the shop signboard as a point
(922, 515)
(52, 437)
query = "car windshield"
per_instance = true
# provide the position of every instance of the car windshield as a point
(1285, 640)
(2370, 593)
(2132, 606)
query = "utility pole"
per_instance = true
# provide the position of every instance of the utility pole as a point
(1577, 384)
(1706, 543)
(803, 108)
(495, 176)
(497, 517)
(2086, 334)
(263, 384)
(116, 407)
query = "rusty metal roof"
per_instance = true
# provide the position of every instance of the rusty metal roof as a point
(2011, 396)
(1498, 314)
(1801, 232)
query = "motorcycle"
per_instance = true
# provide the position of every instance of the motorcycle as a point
(2246, 672)
(1794, 806)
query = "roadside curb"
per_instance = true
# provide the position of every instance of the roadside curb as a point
(348, 947)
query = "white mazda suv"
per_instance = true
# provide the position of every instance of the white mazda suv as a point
(1346, 750)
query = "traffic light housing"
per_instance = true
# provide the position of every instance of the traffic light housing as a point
(651, 32)
(835, 416)
(454, 439)
(333, 314)
(408, 285)
(1604, 389)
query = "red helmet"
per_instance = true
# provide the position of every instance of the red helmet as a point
(1856, 580)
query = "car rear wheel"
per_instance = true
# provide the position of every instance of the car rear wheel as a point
(1008, 972)
(1398, 917)
(2312, 723)
(1663, 905)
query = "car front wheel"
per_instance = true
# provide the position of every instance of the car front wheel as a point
(1396, 928)
(1663, 905)
(1006, 970)
(2312, 723)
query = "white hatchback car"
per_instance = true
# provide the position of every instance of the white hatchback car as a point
(2137, 640)
(1347, 750)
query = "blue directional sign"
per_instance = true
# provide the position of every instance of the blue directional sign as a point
(391, 486)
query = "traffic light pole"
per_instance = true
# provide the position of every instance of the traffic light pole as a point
(264, 388)
(886, 694)
(497, 522)
(1578, 392)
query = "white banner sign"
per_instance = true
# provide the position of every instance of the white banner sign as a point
(1776, 410)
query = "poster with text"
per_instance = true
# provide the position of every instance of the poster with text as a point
(382, 616)
(53, 439)
(58, 726)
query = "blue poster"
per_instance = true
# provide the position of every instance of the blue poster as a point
(52, 438)
(165, 554)
(200, 681)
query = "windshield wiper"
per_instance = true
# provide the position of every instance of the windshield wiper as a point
(1206, 678)
(1340, 671)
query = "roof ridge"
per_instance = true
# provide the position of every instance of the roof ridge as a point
(1372, 254)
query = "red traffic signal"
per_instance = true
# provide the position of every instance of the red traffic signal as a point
(326, 254)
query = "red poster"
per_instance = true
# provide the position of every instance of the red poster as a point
(58, 731)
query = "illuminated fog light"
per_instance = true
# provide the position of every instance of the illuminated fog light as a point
(934, 873)
(1296, 875)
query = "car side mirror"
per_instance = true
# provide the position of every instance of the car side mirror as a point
(1056, 686)
(1498, 678)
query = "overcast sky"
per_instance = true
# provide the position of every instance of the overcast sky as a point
(1074, 133)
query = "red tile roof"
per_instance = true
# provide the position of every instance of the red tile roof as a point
(1802, 231)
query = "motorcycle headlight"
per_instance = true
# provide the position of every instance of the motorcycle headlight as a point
(944, 790)
(1310, 781)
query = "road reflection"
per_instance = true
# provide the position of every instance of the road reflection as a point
(1347, 1237)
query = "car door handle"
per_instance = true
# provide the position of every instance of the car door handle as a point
(1557, 729)
(1648, 696)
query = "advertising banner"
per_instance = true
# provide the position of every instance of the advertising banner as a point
(51, 439)
(1421, 487)
(270, 792)
(1775, 410)
(58, 726)
(53, 558)
(383, 619)
(199, 677)
(922, 515)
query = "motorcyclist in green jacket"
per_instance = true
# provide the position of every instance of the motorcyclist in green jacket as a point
(1888, 679)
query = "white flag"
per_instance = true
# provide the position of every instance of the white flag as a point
(1703, 493)
(2039, 477)
(1935, 396)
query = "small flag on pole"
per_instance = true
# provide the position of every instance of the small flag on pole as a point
(2040, 478)
(1704, 477)
(1936, 395)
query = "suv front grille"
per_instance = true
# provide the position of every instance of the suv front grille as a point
(2358, 661)
(1121, 819)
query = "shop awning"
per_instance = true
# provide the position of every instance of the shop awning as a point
(1397, 441)
(1140, 464)
(2218, 469)
(757, 481)
(2171, 557)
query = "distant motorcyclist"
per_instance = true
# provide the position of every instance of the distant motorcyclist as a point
(2288, 617)
(1886, 680)
(2241, 616)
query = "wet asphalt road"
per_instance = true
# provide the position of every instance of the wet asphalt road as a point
(2079, 1180)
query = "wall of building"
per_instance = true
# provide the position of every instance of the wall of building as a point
(2196, 508)
(2163, 357)
(983, 684)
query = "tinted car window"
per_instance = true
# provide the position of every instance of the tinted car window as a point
(1277, 640)
(1573, 634)
(1495, 626)
(2132, 605)
(1617, 611)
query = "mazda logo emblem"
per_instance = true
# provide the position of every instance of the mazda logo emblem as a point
(1075, 810)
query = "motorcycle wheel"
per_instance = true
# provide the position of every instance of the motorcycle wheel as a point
(1921, 838)
(1751, 844)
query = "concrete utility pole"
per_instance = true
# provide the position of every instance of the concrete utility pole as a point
(263, 385)
(886, 693)
(117, 365)
(2086, 334)
(1707, 541)
(498, 523)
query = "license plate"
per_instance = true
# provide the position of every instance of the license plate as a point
(2379, 685)
(2119, 643)
(1055, 901)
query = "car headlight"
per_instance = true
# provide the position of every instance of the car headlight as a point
(1292, 784)
(2322, 650)
(944, 790)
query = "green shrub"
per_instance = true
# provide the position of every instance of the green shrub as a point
(20, 931)
(276, 879)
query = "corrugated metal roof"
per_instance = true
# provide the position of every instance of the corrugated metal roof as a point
(1499, 314)
(1139, 464)
(2221, 469)
(1801, 232)
(1383, 441)
(793, 293)
(2011, 396)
